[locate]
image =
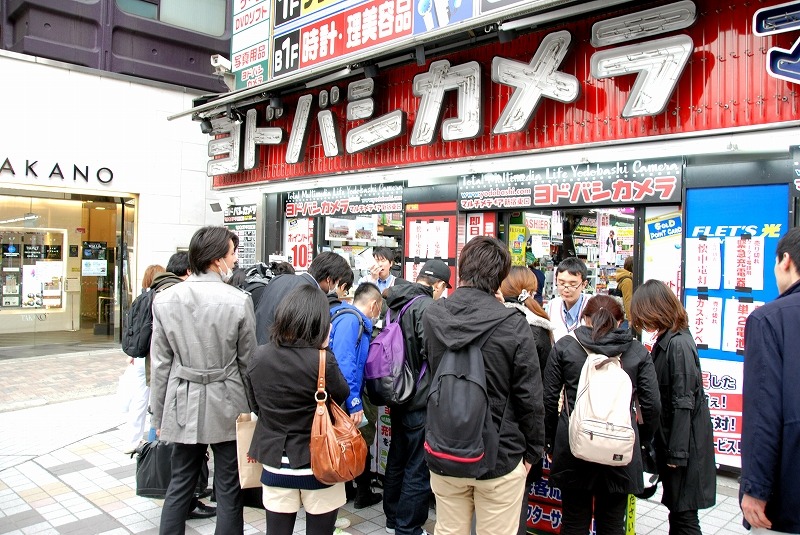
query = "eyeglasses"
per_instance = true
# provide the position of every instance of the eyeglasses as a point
(565, 286)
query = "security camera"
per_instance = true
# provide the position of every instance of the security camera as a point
(220, 62)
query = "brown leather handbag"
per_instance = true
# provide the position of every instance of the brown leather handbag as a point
(338, 451)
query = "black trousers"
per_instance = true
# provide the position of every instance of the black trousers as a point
(684, 523)
(187, 460)
(609, 512)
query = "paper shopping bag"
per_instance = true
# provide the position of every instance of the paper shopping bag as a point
(249, 468)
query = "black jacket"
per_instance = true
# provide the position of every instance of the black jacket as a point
(411, 324)
(273, 294)
(541, 329)
(283, 381)
(770, 463)
(685, 437)
(513, 379)
(564, 370)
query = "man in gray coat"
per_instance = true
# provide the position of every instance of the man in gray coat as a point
(203, 336)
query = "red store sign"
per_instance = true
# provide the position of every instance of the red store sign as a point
(720, 81)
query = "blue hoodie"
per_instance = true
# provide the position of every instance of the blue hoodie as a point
(350, 353)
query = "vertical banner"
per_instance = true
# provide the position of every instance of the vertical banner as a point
(516, 244)
(241, 220)
(298, 242)
(731, 237)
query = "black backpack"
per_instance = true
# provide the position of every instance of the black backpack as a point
(139, 326)
(461, 439)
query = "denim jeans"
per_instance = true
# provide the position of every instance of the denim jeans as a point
(406, 483)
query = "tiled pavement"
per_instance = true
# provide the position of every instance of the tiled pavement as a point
(62, 470)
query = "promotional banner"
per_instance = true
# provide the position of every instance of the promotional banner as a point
(629, 182)
(241, 220)
(731, 237)
(345, 200)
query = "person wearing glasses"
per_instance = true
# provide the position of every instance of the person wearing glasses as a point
(565, 309)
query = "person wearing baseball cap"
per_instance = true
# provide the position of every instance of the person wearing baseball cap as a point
(407, 473)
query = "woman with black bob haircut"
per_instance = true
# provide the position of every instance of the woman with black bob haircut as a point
(283, 379)
(684, 441)
(583, 483)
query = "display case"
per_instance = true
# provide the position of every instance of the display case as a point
(32, 268)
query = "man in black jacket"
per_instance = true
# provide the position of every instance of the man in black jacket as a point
(325, 272)
(513, 384)
(406, 484)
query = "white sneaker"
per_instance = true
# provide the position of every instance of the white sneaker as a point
(342, 523)
(389, 530)
(338, 531)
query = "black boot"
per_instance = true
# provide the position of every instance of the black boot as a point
(364, 495)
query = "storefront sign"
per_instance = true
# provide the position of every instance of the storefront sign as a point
(250, 41)
(52, 171)
(33, 252)
(241, 220)
(639, 181)
(345, 200)
(781, 62)
(732, 236)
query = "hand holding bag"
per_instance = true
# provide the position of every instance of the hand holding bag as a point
(338, 452)
(249, 468)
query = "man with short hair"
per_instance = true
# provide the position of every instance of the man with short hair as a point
(565, 310)
(771, 410)
(513, 384)
(380, 274)
(351, 332)
(325, 272)
(203, 336)
(406, 483)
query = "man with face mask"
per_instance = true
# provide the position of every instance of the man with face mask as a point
(351, 332)
(203, 336)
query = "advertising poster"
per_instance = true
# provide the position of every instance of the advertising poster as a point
(298, 242)
(703, 263)
(743, 221)
(241, 220)
(744, 262)
(432, 14)
(383, 438)
(366, 229)
(705, 320)
(337, 229)
(417, 243)
(516, 244)
(662, 246)
(94, 262)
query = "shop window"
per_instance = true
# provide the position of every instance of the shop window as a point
(203, 16)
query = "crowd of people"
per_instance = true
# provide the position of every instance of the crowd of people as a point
(218, 351)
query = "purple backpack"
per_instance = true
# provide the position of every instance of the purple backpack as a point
(388, 377)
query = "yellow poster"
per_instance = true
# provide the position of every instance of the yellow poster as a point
(516, 243)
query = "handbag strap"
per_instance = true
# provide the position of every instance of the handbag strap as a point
(321, 379)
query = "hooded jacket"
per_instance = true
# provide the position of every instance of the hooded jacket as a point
(770, 463)
(513, 379)
(413, 332)
(164, 280)
(564, 370)
(350, 351)
(541, 329)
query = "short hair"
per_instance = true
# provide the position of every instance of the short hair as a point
(484, 263)
(365, 291)
(430, 280)
(790, 244)
(628, 265)
(179, 264)
(209, 244)
(605, 313)
(281, 268)
(383, 252)
(521, 278)
(654, 308)
(329, 264)
(150, 273)
(302, 316)
(347, 281)
(573, 266)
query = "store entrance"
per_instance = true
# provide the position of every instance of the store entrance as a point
(603, 238)
(65, 273)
